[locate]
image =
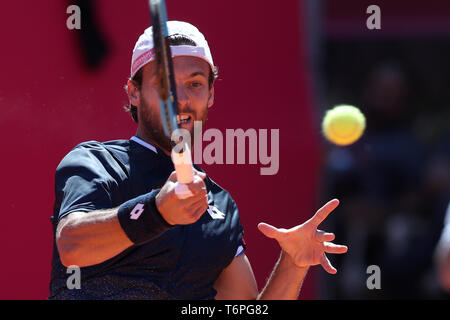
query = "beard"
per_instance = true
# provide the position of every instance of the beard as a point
(151, 124)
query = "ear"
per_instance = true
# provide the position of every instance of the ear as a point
(133, 93)
(211, 97)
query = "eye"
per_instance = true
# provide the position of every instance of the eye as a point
(196, 84)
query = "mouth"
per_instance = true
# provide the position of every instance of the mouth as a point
(184, 118)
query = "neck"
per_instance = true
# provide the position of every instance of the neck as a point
(141, 135)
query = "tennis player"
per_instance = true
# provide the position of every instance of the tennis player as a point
(117, 217)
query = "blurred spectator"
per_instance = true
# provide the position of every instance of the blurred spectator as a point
(392, 189)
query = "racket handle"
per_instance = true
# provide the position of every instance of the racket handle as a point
(182, 162)
(182, 191)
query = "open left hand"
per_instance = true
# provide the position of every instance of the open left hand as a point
(305, 244)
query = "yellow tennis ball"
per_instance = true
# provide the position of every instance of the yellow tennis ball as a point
(343, 125)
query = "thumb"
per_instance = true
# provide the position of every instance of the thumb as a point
(200, 174)
(173, 177)
(268, 230)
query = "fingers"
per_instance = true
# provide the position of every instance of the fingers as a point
(334, 248)
(323, 212)
(200, 174)
(331, 248)
(197, 209)
(325, 263)
(268, 230)
(322, 236)
(173, 176)
(197, 204)
(197, 185)
(200, 195)
(197, 188)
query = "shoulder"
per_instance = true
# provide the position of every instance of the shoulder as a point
(96, 146)
(95, 159)
(215, 188)
(93, 150)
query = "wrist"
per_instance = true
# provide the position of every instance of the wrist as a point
(288, 263)
(140, 219)
(160, 209)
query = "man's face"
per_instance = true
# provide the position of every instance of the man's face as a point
(193, 93)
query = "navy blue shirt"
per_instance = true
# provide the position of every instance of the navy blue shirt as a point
(182, 263)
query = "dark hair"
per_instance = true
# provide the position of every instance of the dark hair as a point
(174, 40)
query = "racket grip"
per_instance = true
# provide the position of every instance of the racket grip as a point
(182, 162)
(182, 191)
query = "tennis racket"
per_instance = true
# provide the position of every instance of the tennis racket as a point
(168, 103)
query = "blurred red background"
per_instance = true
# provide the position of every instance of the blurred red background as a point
(50, 101)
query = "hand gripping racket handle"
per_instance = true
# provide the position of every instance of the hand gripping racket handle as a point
(182, 162)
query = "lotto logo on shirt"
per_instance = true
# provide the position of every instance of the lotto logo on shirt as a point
(215, 213)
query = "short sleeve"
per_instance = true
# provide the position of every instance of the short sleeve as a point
(84, 181)
(240, 230)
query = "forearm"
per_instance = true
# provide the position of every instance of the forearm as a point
(89, 238)
(285, 281)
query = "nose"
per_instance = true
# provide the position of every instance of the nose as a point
(182, 96)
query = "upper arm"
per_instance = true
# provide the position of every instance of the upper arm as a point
(237, 281)
(84, 182)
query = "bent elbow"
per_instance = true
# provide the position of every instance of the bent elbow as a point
(67, 253)
(68, 249)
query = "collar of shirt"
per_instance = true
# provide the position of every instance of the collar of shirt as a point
(144, 144)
